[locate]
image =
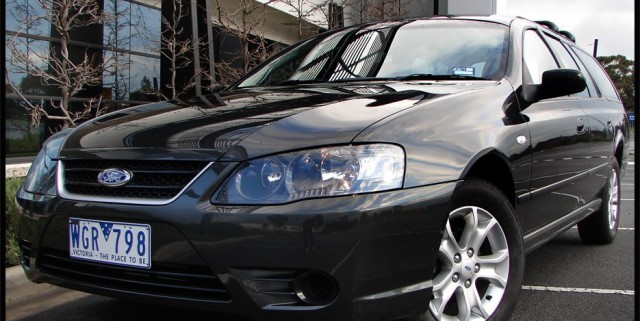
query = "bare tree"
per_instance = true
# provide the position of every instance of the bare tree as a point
(362, 11)
(178, 49)
(56, 67)
(304, 10)
(115, 37)
(247, 24)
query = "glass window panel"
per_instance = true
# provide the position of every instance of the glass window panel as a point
(143, 71)
(24, 59)
(537, 58)
(565, 59)
(600, 77)
(11, 16)
(117, 28)
(145, 33)
(115, 79)
(26, 16)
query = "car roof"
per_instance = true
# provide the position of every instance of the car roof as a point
(547, 26)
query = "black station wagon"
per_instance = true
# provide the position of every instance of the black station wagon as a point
(390, 170)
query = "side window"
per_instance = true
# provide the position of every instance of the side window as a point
(537, 58)
(567, 61)
(599, 76)
(590, 85)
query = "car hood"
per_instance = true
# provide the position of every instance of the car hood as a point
(241, 124)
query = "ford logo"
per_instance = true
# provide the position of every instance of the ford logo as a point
(468, 268)
(113, 177)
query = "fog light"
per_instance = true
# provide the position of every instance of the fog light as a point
(315, 288)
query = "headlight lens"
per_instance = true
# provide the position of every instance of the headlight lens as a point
(41, 177)
(321, 172)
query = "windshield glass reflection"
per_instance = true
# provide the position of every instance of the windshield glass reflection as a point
(404, 50)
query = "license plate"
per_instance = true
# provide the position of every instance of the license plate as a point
(118, 243)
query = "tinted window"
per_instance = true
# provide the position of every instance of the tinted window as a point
(566, 60)
(599, 76)
(447, 48)
(537, 58)
(590, 85)
(389, 50)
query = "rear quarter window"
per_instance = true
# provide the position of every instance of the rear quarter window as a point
(600, 77)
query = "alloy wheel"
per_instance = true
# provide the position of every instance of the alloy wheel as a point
(613, 199)
(473, 266)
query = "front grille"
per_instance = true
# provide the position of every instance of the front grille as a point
(187, 282)
(153, 180)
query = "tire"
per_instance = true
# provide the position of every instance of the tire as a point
(601, 227)
(488, 280)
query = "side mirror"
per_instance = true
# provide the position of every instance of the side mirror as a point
(555, 83)
(562, 82)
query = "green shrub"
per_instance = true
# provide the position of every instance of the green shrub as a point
(25, 144)
(11, 211)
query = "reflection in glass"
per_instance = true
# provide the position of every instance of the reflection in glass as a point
(116, 75)
(446, 49)
(145, 33)
(117, 26)
(131, 59)
(26, 16)
(143, 71)
(30, 55)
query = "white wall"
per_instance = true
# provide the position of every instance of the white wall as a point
(471, 7)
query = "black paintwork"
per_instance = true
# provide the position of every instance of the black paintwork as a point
(372, 243)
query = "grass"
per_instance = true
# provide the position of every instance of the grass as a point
(12, 251)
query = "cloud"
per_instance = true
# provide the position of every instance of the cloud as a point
(611, 22)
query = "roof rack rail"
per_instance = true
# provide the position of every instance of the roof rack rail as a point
(568, 35)
(548, 24)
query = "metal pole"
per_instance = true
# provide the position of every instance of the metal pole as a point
(196, 47)
(595, 48)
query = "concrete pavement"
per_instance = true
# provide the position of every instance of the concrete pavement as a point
(17, 285)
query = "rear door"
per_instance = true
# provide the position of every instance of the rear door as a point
(599, 126)
(605, 114)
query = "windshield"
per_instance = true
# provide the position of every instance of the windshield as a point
(423, 49)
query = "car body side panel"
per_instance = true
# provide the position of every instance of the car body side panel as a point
(471, 129)
(601, 116)
(560, 163)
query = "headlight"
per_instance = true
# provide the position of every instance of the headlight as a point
(321, 172)
(41, 177)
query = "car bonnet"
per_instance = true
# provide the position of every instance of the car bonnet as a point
(248, 123)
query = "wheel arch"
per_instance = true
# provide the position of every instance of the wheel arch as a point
(493, 167)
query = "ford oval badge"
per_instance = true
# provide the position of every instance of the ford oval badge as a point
(113, 177)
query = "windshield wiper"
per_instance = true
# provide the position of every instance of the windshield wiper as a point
(296, 82)
(401, 78)
(438, 77)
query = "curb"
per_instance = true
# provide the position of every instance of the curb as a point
(16, 170)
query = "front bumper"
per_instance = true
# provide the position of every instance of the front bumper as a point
(379, 251)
